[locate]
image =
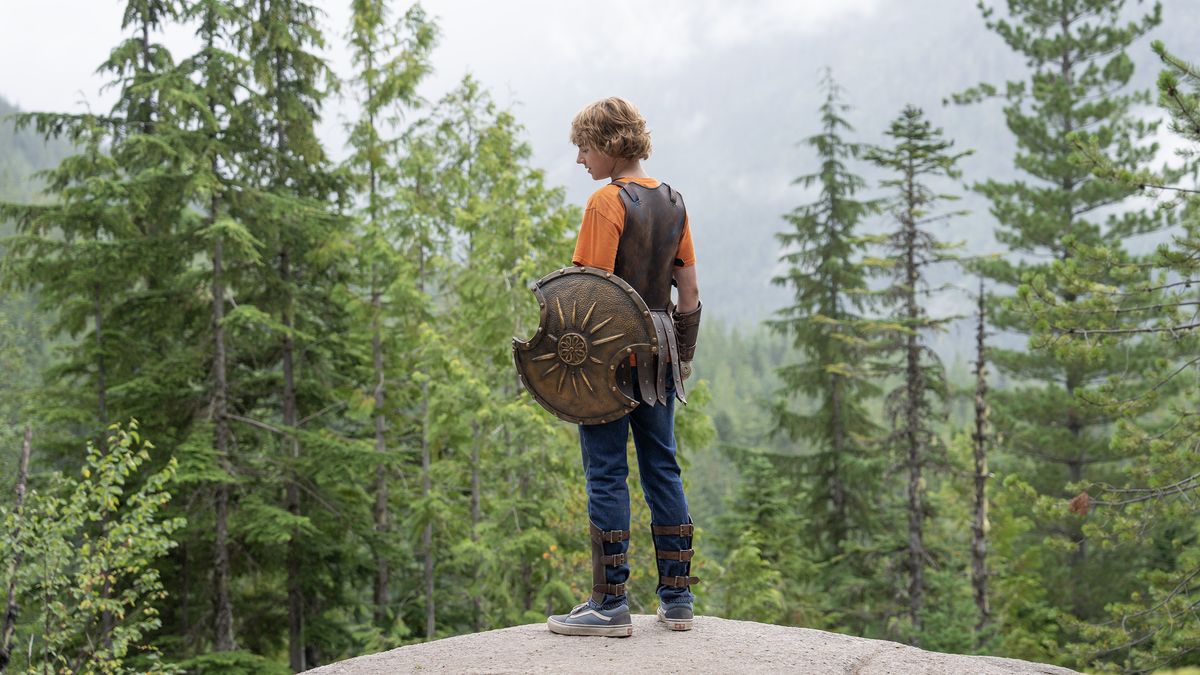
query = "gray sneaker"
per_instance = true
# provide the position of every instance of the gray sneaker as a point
(583, 620)
(677, 617)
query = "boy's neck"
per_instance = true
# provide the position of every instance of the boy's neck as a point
(628, 168)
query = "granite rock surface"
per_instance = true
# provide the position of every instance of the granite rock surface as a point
(714, 646)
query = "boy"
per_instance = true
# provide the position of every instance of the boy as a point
(637, 228)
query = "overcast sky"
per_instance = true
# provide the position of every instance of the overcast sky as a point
(728, 89)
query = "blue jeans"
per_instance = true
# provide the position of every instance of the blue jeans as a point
(606, 469)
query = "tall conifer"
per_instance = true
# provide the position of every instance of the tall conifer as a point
(823, 251)
(1152, 506)
(1076, 51)
(823, 404)
(918, 156)
(391, 60)
(298, 216)
(220, 128)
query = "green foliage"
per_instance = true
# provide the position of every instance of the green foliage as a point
(90, 546)
(232, 663)
(769, 573)
(325, 349)
(483, 226)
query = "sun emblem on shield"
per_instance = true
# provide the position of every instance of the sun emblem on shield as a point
(573, 348)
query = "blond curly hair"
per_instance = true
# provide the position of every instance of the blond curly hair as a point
(613, 126)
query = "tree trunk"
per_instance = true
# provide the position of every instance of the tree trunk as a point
(185, 593)
(426, 478)
(1079, 593)
(979, 573)
(106, 616)
(476, 601)
(295, 594)
(837, 447)
(914, 438)
(14, 565)
(101, 373)
(427, 534)
(837, 441)
(381, 485)
(293, 564)
(222, 604)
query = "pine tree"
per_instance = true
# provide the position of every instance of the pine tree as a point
(298, 215)
(1152, 506)
(842, 466)
(217, 127)
(1076, 51)
(823, 252)
(484, 226)
(391, 60)
(918, 156)
(109, 249)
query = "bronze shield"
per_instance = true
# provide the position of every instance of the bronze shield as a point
(591, 320)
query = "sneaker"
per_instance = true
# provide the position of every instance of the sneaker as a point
(677, 617)
(586, 620)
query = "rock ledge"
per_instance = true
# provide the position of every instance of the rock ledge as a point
(713, 646)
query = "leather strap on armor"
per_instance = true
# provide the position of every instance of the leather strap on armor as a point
(676, 358)
(600, 585)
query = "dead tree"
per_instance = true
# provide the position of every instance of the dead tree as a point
(979, 572)
(14, 565)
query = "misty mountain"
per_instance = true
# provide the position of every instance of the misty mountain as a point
(726, 130)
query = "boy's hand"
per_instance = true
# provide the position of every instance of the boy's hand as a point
(685, 369)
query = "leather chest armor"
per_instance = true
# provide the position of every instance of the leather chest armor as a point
(654, 219)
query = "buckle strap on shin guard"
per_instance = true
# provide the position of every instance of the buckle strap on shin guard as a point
(612, 560)
(611, 589)
(684, 530)
(607, 536)
(680, 556)
(678, 582)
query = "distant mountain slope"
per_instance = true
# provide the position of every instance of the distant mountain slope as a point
(23, 153)
(752, 121)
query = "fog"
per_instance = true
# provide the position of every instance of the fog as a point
(728, 91)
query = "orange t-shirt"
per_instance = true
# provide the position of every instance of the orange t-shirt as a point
(603, 221)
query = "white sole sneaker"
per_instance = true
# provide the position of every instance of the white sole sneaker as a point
(674, 624)
(563, 628)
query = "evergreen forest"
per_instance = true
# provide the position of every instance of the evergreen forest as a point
(258, 410)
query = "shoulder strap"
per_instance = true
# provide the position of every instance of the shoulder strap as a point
(670, 193)
(624, 186)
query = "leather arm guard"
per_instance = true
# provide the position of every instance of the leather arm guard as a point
(687, 328)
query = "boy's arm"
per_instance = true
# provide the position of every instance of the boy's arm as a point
(689, 289)
(687, 317)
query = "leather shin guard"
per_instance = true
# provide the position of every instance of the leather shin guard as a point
(601, 561)
(682, 555)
